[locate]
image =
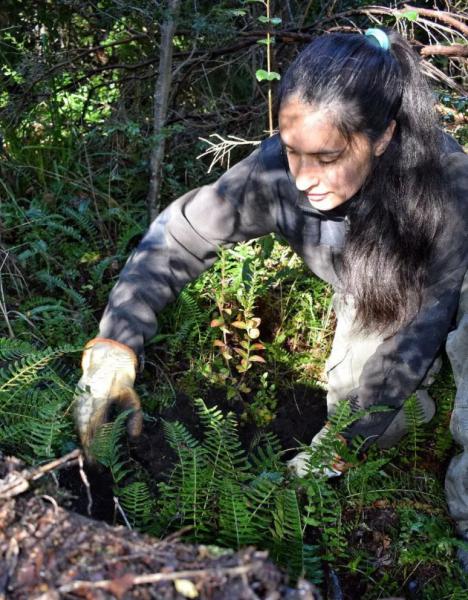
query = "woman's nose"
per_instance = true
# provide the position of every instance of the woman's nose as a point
(305, 179)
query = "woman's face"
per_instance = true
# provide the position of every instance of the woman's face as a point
(325, 166)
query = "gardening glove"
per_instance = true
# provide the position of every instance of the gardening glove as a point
(300, 464)
(109, 369)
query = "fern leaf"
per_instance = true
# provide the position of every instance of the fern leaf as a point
(137, 502)
(107, 447)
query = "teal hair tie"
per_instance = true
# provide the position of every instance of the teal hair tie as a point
(379, 38)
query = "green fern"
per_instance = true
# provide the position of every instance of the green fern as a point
(187, 488)
(227, 499)
(236, 526)
(107, 447)
(266, 453)
(137, 502)
(288, 546)
(414, 417)
(24, 372)
(83, 220)
(34, 400)
(324, 511)
(54, 228)
(186, 323)
(46, 431)
(54, 282)
(13, 349)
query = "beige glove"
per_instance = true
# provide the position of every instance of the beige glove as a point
(109, 369)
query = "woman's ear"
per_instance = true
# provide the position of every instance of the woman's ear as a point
(385, 139)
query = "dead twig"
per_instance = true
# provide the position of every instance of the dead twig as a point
(84, 479)
(122, 584)
(223, 148)
(120, 510)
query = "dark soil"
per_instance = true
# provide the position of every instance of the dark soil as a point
(301, 412)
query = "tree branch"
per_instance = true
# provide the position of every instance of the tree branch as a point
(161, 96)
(442, 16)
(438, 50)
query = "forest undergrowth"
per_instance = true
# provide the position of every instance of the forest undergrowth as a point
(249, 330)
(233, 348)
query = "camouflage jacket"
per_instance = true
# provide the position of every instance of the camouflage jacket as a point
(257, 197)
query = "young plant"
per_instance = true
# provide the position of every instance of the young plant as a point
(268, 75)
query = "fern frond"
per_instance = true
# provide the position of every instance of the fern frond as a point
(54, 282)
(189, 478)
(414, 417)
(323, 510)
(82, 220)
(267, 454)
(66, 230)
(97, 270)
(46, 430)
(224, 450)
(288, 544)
(24, 372)
(178, 435)
(13, 349)
(137, 502)
(107, 447)
(236, 527)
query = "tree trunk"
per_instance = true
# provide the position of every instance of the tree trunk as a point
(161, 95)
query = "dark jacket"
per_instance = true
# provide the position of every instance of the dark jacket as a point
(257, 197)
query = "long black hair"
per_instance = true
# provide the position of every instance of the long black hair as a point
(398, 212)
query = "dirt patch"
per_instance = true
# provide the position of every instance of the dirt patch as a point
(301, 412)
(299, 415)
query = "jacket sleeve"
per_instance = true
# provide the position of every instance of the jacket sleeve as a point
(182, 242)
(401, 362)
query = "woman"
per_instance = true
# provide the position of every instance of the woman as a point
(366, 188)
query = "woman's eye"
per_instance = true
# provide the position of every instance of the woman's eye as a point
(328, 161)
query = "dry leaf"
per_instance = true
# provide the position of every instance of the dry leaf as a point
(186, 588)
(256, 358)
(216, 323)
(239, 324)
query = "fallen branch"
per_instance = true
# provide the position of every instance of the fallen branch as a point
(18, 482)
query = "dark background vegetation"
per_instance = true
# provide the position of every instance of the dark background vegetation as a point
(79, 141)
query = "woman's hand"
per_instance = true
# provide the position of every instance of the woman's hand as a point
(109, 369)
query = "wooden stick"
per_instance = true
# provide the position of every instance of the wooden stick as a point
(439, 50)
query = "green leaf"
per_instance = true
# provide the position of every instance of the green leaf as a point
(410, 15)
(272, 20)
(263, 75)
(266, 41)
(237, 12)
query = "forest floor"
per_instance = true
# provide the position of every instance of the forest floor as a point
(48, 552)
